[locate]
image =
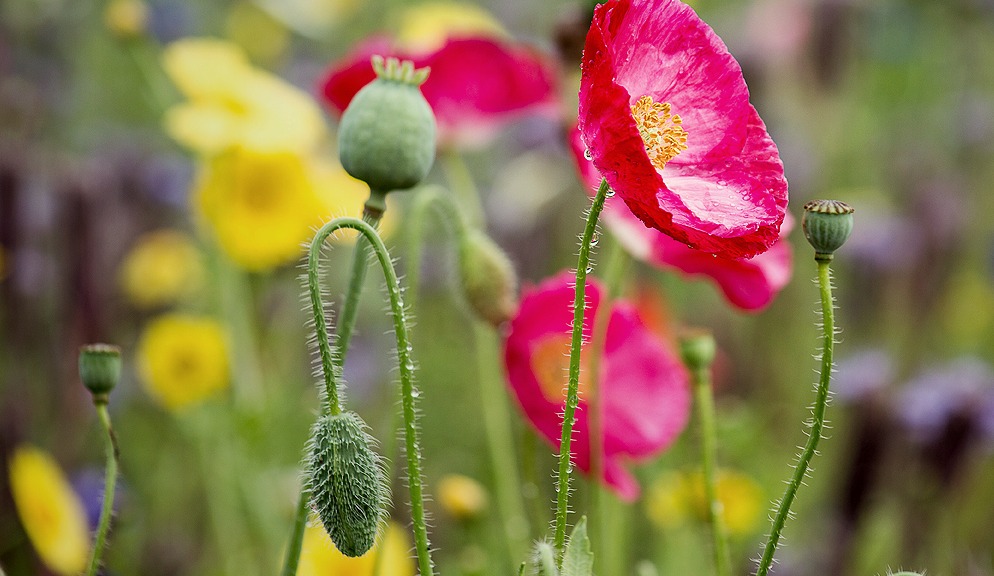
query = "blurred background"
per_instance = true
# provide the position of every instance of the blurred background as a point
(112, 230)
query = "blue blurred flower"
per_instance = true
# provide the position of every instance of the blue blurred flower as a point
(961, 388)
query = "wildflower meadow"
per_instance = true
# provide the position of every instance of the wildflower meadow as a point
(480, 288)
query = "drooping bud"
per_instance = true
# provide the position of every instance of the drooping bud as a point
(387, 134)
(827, 225)
(488, 278)
(697, 349)
(100, 369)
(346, 482)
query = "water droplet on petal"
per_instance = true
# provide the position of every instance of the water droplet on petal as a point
(588, 154)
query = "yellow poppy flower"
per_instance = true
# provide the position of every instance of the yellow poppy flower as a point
(231, 103)
(461, 496)
(162, 267)
(50, 511)
(426, 27)
(183, 359)
(676, 496)
(126, 18)
(319, 556)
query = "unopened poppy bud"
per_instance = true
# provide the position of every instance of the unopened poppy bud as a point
(100, 369)
(387, 134)
(488, 278)
(346, 483)
(697, 349)
(827, 225)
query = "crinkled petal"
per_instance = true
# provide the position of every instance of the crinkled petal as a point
(646, 399)
(726, 194)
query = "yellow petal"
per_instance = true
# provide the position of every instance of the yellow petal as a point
(205, 68)
(426, 27)
(204, 128)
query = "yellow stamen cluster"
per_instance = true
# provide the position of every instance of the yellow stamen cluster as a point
(661, 131)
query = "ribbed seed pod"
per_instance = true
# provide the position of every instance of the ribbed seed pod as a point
(827, 225)
(347, 484)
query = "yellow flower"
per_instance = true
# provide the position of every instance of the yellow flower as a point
(426, 27)
(262, 36)
(126, 18)
(183, 359)
(231, 103)
(319, 557)
(50, 511)
(461, 496)
(163, 267)
(261, 206)
(677, 496)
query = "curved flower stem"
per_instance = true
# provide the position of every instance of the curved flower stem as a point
(569, 411)
(818, 414)
(110, 482)
(704, 400)
(330, 361)
(406, 365)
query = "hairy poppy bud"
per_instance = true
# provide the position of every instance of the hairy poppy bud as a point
(387, 134)
(100, 369)
(827, 225)
(697, 349)
(487, 277)
(347, 484)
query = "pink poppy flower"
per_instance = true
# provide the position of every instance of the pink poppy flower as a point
(644, 390)
(476, 85)
(748, 283)
(665, 115)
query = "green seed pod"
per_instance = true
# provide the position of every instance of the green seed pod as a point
(100, 369)
(488, 278)
(347, 483)
(387, 134)
(697, 349)
(827, 225)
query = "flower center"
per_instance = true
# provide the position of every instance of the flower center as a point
(661, 131)
(550, 363)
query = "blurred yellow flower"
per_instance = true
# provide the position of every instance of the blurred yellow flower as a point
(50, 511)
(162, 267)
(261, 206)
(425, 27)
(676, 496)
(319, 557)
(183, 359)
(262, 36)
(343, 195)
(231, 103)
(462, 496)
(126, 18)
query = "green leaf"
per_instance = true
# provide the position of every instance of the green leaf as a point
(578, 560)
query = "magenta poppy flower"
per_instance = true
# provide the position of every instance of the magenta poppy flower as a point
(748, 283)
(476, 84)
(666, 118)
(644, 390)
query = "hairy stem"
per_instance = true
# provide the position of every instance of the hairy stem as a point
(818, 415)
(110, 482)
(569, 411)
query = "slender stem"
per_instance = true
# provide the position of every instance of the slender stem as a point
(704, 400)
(110, 482)
(406, 365)
(297, 536)
(569, 411)
(461, 179)
(818, 415)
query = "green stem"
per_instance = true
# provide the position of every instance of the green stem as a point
(569, 411)
(459, 176)
(331, 362)
(704, 400)
(110, 482)
(818, 414)
(406, 365)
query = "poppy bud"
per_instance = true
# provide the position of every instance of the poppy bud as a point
(100, 369)
(387, 134)
(827, 225)
(347, 484)
(697, 350)
(488, 278)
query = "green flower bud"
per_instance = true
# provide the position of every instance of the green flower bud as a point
(827, 225)
(100, 369)
(697, 349)
(488, 278)
(387, 134)
(347, 484)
